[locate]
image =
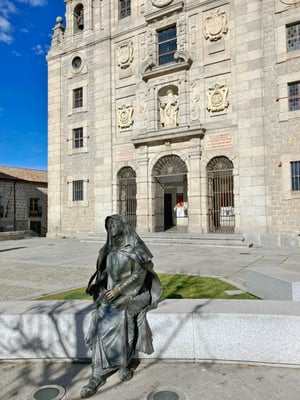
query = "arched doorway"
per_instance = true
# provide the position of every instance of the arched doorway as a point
(127, 194)
(170, 190)
(221, 217)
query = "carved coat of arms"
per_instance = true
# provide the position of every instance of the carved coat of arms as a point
(125, 54)
(125, 116)
(217, 98)
(215, 26)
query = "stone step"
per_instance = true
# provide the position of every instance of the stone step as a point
(178, 238)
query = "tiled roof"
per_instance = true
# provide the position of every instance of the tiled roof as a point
(24, 174)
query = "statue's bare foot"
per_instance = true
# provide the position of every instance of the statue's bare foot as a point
(92, 387)
(125, 374)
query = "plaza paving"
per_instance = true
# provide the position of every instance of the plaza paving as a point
(36, 266)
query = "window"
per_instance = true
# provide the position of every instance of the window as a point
(293, 37)
(77, 138)
(125, 8)
(34, 209)
(77, 97)
(295, 175)
(77, 190)
(294, 96)
(167, 45)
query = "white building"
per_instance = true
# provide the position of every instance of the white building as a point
(176, 113)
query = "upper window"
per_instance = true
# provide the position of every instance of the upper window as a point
(294, 96)
(293, 37)
(34, 209)
(295, 175)
(77, 138)
(77, 97)
(78, 18)
(125, 8)
(167, 45)
(77, 190)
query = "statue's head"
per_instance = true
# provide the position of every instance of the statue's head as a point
(116, 225)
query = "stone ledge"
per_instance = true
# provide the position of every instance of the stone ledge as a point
(273, 283)
(211, 330)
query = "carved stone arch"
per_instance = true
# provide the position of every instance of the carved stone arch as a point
(219, 163)
(126, 178)
(168, 165)
(220, 195)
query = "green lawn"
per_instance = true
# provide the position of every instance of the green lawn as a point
(175, 286)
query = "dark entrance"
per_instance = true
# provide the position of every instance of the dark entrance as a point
(170, 185)
(168, 211)
(36, 226)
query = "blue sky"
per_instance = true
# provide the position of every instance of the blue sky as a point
(25, 37)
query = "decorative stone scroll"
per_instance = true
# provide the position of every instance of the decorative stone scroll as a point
(215, 26)
(217, 98)
(289, 2)
(125, 116)
(125, 54)
(161, 3)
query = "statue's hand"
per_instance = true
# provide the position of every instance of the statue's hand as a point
(112, 294)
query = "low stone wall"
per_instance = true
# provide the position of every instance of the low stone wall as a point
(208, 330)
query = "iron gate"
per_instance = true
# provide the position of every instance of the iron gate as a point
(127, 194)
(221, 217)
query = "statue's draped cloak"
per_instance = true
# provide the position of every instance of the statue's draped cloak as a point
(108, 333)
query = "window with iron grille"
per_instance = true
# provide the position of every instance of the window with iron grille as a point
(293, 37)
(125, 8)
(77, 138)
(295, 175)
(77, 190)
(78, 97)
(294, 96)
(167, 45)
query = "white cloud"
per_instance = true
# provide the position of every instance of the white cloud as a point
(16, 53)
(34, 3)
(7, 9)
(40, 49)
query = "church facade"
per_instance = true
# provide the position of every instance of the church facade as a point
(176, 114)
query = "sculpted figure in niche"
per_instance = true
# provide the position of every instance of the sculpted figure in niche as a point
(124, 287)
(169, 109)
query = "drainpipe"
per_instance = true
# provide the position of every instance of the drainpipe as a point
(15, 207)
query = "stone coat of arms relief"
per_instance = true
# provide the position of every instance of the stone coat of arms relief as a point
(125, 54)
(124, 116)
(217, 98)
(215, 25)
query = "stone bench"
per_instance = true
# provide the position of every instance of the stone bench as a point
(273, 283)
(196, 330)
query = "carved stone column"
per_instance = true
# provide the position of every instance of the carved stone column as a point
(143, 184)
(194, 186)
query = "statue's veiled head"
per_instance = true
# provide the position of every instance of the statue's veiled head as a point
(118, 226)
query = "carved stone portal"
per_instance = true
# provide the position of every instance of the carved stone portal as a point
(125, 54)
(217, 98)
(125, 116)
(215, 26)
